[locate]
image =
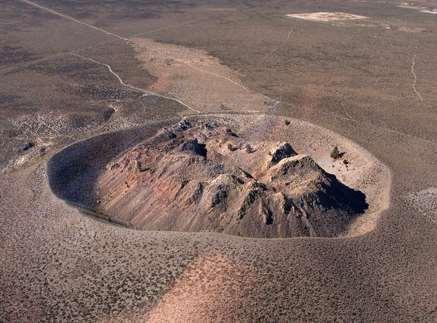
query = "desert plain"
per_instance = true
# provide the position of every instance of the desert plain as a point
(173, 161)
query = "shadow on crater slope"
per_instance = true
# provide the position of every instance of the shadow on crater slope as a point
(73, 171)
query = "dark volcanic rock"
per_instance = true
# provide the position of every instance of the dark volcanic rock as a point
(283, 151)
(290, 166)
(219, 196)
(197, 194)
(211, 124)
(249, 149)
(254, 193)
(184, 124)
(230, 132)
(231, 147)
(195, 147)
(26, 146)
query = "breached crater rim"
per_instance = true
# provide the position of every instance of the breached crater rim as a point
(246, 175)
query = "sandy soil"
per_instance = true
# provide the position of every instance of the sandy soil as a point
(91, 236)
(193, 297)
(61, 264)
(420, 9)
(425, 202)
(197, 78)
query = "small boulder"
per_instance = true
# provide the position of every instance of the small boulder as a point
(210, 124)
(26, 146)
(249, 149)
(141, 167)
(184, 124)
(231, 147)
(169, 134)
(230, 132)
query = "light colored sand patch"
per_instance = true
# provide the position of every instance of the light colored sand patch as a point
(33, 154)
(411, 29)
(326, 16)
(425, 202)
(205, 287)
(196, 78)
(430, 11)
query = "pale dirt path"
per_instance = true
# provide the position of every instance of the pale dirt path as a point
(54, 12)
(139, 262)
(326, 16)
(103, 64)
(413, 72)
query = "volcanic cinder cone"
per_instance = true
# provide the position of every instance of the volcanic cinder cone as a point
(203, 176)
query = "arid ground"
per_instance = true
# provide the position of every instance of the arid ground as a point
(85, 85)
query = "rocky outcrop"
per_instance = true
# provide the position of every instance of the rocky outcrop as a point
(193, 146)
(284, 150)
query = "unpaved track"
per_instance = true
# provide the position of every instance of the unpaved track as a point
(413, 72)
(126, 40)
(235, 83)
(134, 88)
(100, 63)
(54, 12)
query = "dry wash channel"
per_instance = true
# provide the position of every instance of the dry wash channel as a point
(222, 174)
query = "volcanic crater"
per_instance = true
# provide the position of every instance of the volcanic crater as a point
(203, 175)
